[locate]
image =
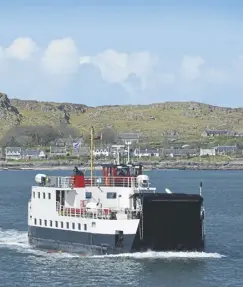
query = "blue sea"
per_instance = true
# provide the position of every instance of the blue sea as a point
(220, 265)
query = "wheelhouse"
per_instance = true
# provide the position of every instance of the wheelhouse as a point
(120, 175)
(121, 170)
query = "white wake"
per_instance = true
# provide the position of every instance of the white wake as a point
(13, 238)
(18, 240)
(165, 255)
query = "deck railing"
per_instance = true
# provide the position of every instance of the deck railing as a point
(66, 181)
(111, 181)
(97, 213)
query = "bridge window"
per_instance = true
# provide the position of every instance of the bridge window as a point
(56, 223)
(44, 195)
(51, 223)
(73, 225)
(33, 194)
(38, 194)
(40, 222)
(45, 222)
(111, 195)
(85, 226)
(88, 195)
(67, 225)
(61, 224)
(49, 195)
(35, 221)
(79, 226)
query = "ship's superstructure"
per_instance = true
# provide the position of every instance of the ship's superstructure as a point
(117, 211)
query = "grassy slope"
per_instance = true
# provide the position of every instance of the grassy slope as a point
(188, 119)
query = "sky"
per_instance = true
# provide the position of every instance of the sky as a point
(110, 52)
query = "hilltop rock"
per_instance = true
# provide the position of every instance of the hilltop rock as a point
(62, 110)
(8, 112)
(48, 106)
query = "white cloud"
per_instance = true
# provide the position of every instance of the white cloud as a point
(61, 57)
(116, 67)
(21, 49)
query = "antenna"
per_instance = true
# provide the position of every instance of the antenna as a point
(91, 153)
(118, 147)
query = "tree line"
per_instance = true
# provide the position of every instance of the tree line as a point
(28, 136)
(44, 135)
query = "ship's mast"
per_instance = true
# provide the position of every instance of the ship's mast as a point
(91, 154)
(128, 143)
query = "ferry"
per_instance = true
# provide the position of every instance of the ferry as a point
(117, 212)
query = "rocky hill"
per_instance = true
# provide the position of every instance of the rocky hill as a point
(187, 119)
(9, 114)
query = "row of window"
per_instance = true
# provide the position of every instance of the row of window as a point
(68, 225)
(43, 195)
(88, 195)
(109, 195)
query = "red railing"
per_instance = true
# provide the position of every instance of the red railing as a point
(104, 213)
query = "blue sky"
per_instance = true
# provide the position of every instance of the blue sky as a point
(122, 52)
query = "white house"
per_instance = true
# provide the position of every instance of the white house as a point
(207, 151)
(13, 153)
(42, 155)
(32, 154)
(146, 152)
(101, 152)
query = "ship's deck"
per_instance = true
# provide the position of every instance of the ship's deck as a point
(66, 181)
(98, 213)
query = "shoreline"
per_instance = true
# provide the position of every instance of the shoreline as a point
(177, 165)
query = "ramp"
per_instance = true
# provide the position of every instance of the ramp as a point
(171, 222)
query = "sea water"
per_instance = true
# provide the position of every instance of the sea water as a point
(220, 265)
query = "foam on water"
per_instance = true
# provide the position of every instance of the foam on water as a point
(14, 238)
(17, 240)
(165, 255)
